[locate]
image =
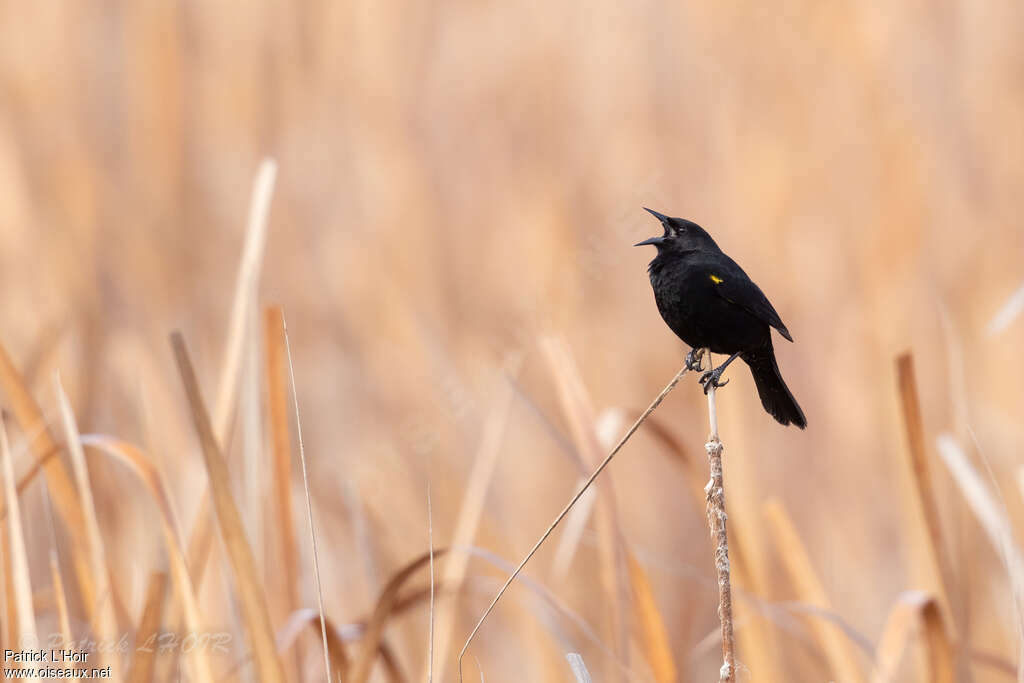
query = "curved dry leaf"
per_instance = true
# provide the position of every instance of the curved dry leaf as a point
(136, 461)
(302, 619)
(371, 640)
(994, 520)
(914, 609)
(104, 619)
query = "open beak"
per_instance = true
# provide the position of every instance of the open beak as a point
(655, 240)
(660, 216)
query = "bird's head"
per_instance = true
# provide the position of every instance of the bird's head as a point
(680, 235)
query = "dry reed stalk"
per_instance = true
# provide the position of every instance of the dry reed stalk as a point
(309, 501)
(255, 481)
(837, 648)
(61, 603)
(104, 620)
(470, 513)
(149, 476)
(1013, 307)
(277, 415)
(10, 621)
(391, 667)
(561, 515)
(579, 667)
(758, 635)
(62, 488)
(246, 285)
(430, 543)
(60, 599)
(29, 476)
(715, 492)
(578, 410)
(21, 578)
(142, 666)
(655, 640)
(924, 488)
(244, 299)
(914, 610)
(250, 594)
(996, 525)
(575, 526)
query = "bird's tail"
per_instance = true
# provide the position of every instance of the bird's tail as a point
(775, 396)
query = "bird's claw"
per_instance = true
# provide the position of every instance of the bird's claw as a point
(694, 360)
(710, 379)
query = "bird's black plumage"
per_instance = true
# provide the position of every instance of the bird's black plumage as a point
(709, 302)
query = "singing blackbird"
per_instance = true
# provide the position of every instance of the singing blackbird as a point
(709, 302)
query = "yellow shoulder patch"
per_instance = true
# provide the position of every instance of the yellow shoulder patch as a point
(717, 280)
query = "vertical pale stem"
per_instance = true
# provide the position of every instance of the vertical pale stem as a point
(715, 491)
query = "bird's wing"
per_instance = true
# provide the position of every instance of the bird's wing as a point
(732, 284)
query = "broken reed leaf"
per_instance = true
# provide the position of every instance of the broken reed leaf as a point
(247, 584)
(924, 487)
(246, 289)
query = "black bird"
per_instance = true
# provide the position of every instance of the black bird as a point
(709, 302)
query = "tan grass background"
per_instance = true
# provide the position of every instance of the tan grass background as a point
(458, 186)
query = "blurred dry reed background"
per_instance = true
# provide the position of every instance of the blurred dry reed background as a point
(458, 186)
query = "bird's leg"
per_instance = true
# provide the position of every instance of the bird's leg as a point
(693, 360)
(710, 378)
